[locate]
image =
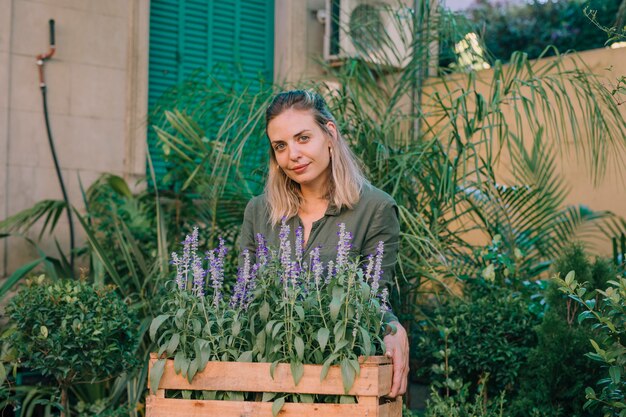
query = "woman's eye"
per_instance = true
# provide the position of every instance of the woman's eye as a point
(279, 146)
(304, 138)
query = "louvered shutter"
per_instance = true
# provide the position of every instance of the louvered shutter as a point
(188, 35)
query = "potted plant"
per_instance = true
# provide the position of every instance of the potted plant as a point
(294, 336)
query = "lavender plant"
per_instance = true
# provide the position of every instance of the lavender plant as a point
(283, 309)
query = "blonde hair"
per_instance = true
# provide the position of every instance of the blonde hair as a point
(346, 180)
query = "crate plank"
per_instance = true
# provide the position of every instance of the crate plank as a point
(168, 407)
(375, 379)
(373, 383)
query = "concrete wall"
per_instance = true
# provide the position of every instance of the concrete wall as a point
(97, 99)
(299, 40)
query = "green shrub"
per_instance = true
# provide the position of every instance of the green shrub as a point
(490, 333)
(72, 332)
(460, 405)
(531, 27)
(606, 309)
(554, 380)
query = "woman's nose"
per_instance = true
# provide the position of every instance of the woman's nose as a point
(294, 152)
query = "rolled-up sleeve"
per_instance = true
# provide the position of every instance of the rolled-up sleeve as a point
(384, 226)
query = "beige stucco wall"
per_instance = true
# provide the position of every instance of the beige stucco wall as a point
(609, 194)
(97, 98)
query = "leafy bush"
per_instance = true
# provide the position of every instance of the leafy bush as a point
(531, 27)
(490, 334)
(554, 380)
(461, 406)
(607, 311)
(72, 332)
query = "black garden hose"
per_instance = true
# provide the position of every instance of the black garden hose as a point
(42, 85)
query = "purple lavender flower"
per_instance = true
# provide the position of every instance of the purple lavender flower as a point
(180, 281)
(316, 266)
(331, 272)
(370, 268)
(285, 249)
(194, 242)
(216, 270)
(344, 245)
(384, 304)
(186, 260)
(198, 277)
(294, 274)
(299, 243)
(378, 272)
(261, 249)
(245, 283)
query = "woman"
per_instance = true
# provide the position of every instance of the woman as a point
(315, 182)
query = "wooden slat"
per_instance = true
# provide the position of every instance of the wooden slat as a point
(374, 380)
(391, 409)
(168, 407)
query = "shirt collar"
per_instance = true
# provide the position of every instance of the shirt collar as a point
(332, 210)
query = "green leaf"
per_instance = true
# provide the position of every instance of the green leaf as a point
(268, 396)
(156, 323)
(367, 341)
(347, 399)
(18, 275)
(245, 356)
(277, 329)
(322, 337)
(155, 375)
(273, 367)
(277, 406)
(584, 315)
(327, 365)
(193, 369)
(179, 358)
(297, 371)
(264, 311)
(307, 398)
(119, 186)
(356, 366)
(616, 374)
(340, 345)
(3, 374)
(347, 375)
(596, 347)
(260, 342)
(236, 328)
(300, 311)
(173, 343)
(334, 307)
(298, 344)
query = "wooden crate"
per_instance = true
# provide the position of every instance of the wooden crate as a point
(370, 387)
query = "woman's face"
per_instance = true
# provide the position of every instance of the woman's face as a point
(301, 147)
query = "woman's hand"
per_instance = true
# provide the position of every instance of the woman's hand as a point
(398, 350)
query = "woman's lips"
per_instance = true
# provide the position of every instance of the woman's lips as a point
(300, 168)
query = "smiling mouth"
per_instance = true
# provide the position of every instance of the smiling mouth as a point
(300, 168)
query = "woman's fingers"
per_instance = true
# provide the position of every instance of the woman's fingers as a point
(398, 350)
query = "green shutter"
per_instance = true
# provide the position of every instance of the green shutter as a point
(188, 35)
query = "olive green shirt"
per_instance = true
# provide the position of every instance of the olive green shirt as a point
(374, 218)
